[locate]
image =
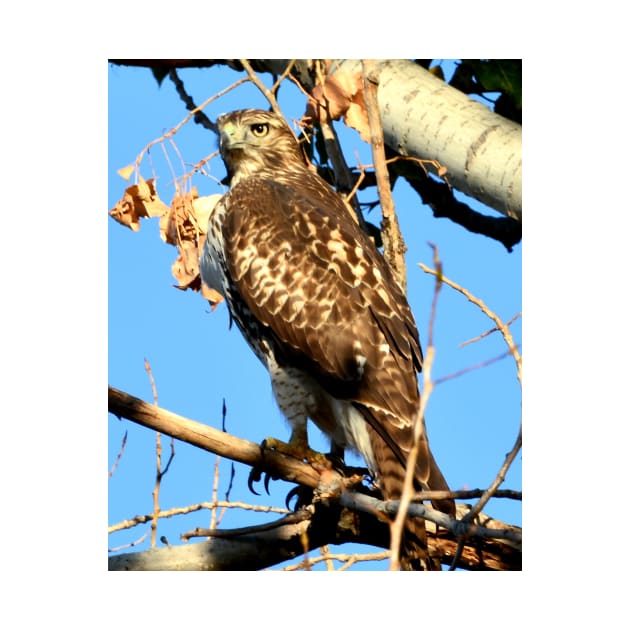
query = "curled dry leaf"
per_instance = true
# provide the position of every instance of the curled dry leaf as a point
(185, 226)
(340, 95)
(139, 200)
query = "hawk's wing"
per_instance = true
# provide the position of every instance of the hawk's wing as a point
(329, 302)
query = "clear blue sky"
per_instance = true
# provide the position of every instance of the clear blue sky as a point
(197, 363)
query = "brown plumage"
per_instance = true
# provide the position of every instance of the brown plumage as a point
(319, 306)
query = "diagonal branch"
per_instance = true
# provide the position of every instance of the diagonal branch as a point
(268, 94)
(200, 116)
(393, 243)
(205, 437)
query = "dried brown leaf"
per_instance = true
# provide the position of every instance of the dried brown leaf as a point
(124, 212)
(126, 172)
(185, 226)
(139, 200)
(331, 100)
(340, 95)
(186, 268)
(147, 200)
(357, 117)
(179, 224)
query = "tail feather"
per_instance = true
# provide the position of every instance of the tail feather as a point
(414, 552)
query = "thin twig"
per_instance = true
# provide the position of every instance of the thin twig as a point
(215, 490)
(507, 336)
(145, 518)
(119, 456)
(342, 172)
(158, 463)
(500, 325)
(418, 428)
(179, 125)
(326, 555)
(471, 368)
(431, 495)
(282, 77)
(499, 479)
(489, 332)
(128, 545)
(393, 243)
(253, 77)
(348, 559)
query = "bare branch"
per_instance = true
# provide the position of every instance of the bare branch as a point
(495, 318)
(393, 243)
(126, 406)
(507, 336)
(205, 505)
(332, 527)
(500, 478)
(461, 526)
(253, 77)
(470, 368)
(200, 116)
(323, 523)
(343, 175)
(119, 456)
(285, 73)
(419, 425)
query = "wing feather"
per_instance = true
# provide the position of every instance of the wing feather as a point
(318, 285)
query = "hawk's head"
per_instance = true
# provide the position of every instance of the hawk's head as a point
(254, 141)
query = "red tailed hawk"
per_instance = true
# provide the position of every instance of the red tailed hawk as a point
(319, 306)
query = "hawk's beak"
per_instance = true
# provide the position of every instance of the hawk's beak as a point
(228, 139)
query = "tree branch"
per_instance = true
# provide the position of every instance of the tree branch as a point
(344, 182)
(438, 195)
(421, 115)
(319, 524)
(205, 437)
(200, 116)
(268, 94)
(326, 520)
(393, 242)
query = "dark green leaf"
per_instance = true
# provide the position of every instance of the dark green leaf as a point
(499, 75)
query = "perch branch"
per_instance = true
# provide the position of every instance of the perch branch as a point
(205, 437)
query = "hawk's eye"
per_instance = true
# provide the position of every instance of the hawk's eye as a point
(260, 129)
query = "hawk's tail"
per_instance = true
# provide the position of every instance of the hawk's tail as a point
(414, 552)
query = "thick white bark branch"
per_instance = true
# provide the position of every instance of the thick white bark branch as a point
(426, 118)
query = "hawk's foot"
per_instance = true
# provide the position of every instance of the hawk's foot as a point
(298, 449)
